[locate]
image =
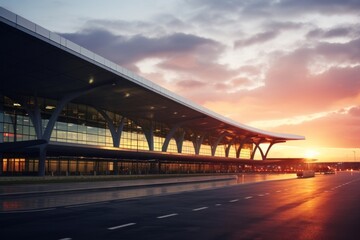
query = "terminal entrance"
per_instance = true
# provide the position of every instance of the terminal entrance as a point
(13, 166)
(84, 166)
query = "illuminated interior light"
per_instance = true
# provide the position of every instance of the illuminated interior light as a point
(91, 80)
(17, 105)
(49, 107)
(152, 107)
(127, 95)
(175, 113)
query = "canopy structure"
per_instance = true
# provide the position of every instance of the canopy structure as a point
(39, 64)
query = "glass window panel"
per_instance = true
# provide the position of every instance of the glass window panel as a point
(72, 135)
(101, 140)
(72, 127)
(82, 128)
(61, 134)
(32, 131)
(26, 130)
(102, 131)
(91, 138)
(19, 128)
(91, 130)
(61, 126)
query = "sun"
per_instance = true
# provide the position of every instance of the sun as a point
(311, 153)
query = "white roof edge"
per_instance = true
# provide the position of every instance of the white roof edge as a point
(61, 42)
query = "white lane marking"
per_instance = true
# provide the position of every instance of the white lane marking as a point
(121, 226)
(65, 238)
(234, 200)
(199, 209)
(249, 197)
(168, 215)
(218, 204)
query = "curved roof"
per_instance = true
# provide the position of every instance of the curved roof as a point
(42, 63)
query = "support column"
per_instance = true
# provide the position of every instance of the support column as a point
(270, 146)
(242, 142)
(197, 141)
(1, 164)
(257, 146)
(149, 134)
(227, 148)
(35, 116)
(116, 167)
(115, 131)
(214, 146)
(179, 141)
(42, 159)
(169, 136)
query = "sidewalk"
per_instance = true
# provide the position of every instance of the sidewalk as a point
(44, 188)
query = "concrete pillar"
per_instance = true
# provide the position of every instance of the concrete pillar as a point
(197, 143)
(179, 141)
(149, 134)
(116, 167)
(1, 164)
(42, 160)
(169, 136)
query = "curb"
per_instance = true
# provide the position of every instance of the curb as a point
(131, 185)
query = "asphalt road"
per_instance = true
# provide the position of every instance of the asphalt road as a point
(324, 207)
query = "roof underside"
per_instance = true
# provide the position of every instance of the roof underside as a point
(35, 65)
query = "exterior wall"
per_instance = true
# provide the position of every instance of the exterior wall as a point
(82, 124)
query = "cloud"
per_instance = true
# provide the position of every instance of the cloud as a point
(297, 73)
(285, 25)
(290, 85)
(338, 129)
(190, 84)
(256, 39)
(284, 8)
(355, 111)
(341, 31)
(292, 90)
(127, 50)
(319, 6)
(349, 51)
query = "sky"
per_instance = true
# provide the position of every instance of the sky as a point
(284, 66)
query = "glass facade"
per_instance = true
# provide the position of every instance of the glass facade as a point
(80, 124)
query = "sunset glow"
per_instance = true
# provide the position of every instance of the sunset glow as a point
(281, 66)
(311, 153)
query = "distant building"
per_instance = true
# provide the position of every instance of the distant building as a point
(66, 110)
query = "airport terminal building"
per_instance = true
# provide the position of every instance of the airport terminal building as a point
(65, 110)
